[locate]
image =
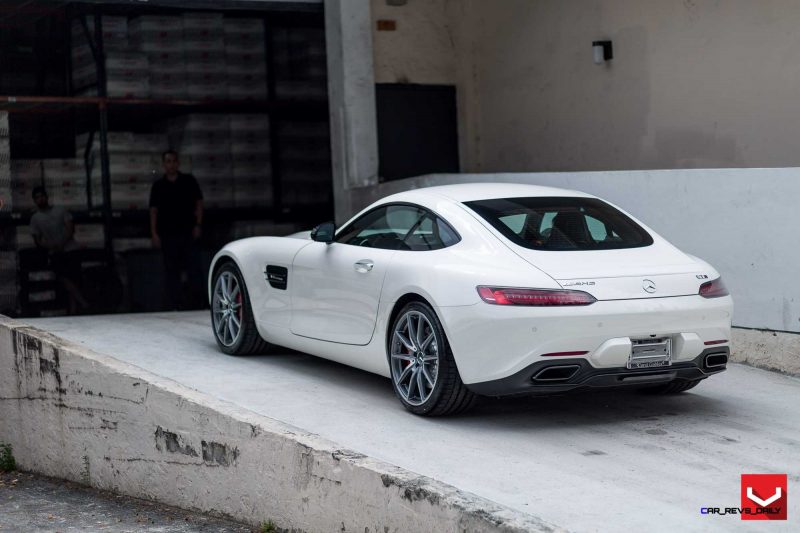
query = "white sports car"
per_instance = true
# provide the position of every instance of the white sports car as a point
(480, 289)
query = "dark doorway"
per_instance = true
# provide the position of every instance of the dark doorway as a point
(417, 130)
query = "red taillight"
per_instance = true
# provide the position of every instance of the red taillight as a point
(535, 297)
(712, 343)
(713, 289)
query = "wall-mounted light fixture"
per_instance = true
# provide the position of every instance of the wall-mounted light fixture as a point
(602, 51)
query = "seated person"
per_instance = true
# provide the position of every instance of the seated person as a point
(53, 230)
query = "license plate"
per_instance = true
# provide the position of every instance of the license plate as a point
(650, 353)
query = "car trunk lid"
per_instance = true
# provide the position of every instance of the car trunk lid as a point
(656, 271)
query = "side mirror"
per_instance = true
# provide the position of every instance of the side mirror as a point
(324, 232)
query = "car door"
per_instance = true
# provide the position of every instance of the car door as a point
(337, 286)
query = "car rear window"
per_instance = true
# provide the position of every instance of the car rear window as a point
(555, 223)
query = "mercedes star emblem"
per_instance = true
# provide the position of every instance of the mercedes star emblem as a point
(649, 286)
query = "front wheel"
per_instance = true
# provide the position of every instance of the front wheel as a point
(423, 370)
(232, 316)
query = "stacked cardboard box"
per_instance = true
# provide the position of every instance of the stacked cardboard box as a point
(65, 181)
(90, 235)
(205, 140)
(8, 260)
(198, 55)
(134, 162)
(228, 154)
(126, 69)
(6, 202)
(204, 38)
(160, 38)
(115, 32)
(25, 174)
(245, 59)
(250, 152)
(300, 63)
(305, 163)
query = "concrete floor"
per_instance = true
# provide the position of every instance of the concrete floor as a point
(594, 461)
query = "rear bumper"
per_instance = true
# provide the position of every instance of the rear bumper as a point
(579, 374)
(492, 342)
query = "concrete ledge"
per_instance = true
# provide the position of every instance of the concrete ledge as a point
(771, 350)
(75, 414)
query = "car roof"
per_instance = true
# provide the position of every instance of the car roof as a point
(467, 192)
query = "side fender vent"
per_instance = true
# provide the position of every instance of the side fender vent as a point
(276, 276)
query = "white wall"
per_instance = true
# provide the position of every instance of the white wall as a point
(700, 83)
(745, 222)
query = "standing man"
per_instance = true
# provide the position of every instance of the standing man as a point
(53, 230)
(176, 217)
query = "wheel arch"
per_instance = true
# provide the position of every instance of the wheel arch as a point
(398, 306)
(222, 258)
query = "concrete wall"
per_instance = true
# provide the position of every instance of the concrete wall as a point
(693, 84)
(772, 350)
(74, 414)
(421, 50)
(351, 98)
(434, 43)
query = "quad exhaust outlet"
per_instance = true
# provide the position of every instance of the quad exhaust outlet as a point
(556, 373)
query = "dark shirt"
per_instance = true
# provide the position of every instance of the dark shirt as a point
(176, 202)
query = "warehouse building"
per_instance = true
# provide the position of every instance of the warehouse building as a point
(94, 92)
(291, 113)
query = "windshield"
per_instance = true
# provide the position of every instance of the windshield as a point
(562, 223)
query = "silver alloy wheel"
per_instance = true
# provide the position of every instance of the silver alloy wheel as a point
(414, 355)
(227, 308)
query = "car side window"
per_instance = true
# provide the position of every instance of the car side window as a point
(385, 227)
(399, 227)
(431, 233)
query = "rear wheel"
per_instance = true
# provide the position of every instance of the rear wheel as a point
(423, 370)
(232, 316)
(673, 387)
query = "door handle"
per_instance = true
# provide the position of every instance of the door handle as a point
(364, 266)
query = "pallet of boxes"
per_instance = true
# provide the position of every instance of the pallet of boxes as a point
(126, 67)
(8, 256)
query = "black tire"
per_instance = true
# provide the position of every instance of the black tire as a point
(449, 395)
(248, 341)
(673, 387)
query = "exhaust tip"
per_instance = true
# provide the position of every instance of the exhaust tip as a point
(552, 374)
(716, 360)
